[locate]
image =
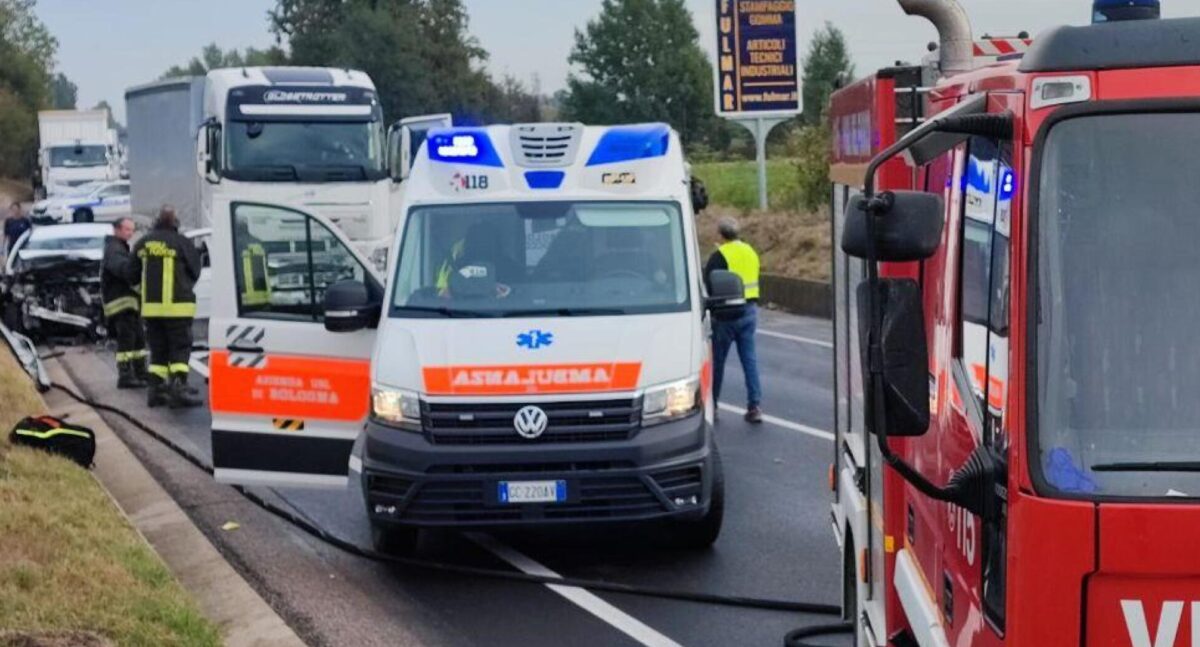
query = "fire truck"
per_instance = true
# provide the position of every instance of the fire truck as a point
(1017, 369)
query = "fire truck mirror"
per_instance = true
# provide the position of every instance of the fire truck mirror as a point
(908, 226)
(904, 359)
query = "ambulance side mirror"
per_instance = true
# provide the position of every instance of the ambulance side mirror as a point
(727, 294)
(908, 226)
(348, 307)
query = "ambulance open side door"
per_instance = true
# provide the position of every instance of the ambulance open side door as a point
(288, 397)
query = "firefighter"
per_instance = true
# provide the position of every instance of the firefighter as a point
(168, 265)
(252, 267)
(121, 307)
(740, 258)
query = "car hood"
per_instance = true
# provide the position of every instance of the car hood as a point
(42, 257)
(563, 355)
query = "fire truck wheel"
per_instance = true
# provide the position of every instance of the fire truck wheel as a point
(400, 541)
(700, 533)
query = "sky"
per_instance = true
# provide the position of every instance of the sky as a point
(108, 46)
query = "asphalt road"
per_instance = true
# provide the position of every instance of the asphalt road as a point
(777, 541)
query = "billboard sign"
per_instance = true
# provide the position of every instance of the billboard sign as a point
(757, 71)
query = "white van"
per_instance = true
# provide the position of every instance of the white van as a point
(540, 353)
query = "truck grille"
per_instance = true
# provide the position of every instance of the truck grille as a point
(569, 422)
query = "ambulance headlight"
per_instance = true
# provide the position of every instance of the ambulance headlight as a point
(396, 408)
(671, 401)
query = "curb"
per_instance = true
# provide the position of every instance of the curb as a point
(243, 618)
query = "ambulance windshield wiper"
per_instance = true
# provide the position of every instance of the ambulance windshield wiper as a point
(447, 312)
(1149, 466)
(564, 312)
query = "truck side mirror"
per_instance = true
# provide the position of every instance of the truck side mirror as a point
(208, 151)
(727, 294)
(348, 307)
(908, 226)
(902, 352)
(393, 152)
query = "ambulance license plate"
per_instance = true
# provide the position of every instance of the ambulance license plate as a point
(532, 491)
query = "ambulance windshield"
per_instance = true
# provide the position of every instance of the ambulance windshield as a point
(541, 259)
(1118, 328)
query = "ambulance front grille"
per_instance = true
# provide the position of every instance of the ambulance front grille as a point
(602, 497)
(569, 422)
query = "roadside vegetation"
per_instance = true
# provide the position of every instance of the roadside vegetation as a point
(72, 570)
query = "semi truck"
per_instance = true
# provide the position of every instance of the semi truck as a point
(536, 353)
(75, 147)
(1016, 390)
(308, 136)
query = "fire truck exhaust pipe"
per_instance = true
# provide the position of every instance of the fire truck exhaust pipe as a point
(957, 48)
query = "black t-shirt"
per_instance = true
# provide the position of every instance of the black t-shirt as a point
(15, 227)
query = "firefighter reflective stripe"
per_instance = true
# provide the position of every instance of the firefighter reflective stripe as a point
(160, 370)
(443, 277)
(119, 305)
(177, 367)
(130, 355)
(743, 261)
(256, 290)
(158, 283)
(138, 354)
(50, 433)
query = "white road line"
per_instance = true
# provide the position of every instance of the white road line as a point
(586, 600)
(802, 340)
(786, 424)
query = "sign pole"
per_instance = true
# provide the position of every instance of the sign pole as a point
(756, 76)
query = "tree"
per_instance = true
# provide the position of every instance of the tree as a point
(27, 53)
(641, 61)
(420, 53)
(826, 64)
(212, 57)
(63, 93)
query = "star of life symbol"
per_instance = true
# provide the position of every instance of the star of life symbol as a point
(535, 339)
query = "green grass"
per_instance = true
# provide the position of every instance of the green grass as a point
(69, 561)
(735, 184)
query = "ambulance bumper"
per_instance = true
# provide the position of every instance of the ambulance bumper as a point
(660, 472)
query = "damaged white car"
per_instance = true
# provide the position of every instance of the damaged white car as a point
(51, 283)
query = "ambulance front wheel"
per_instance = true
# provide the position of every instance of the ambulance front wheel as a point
(399, 541)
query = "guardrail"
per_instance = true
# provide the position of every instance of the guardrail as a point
(798, 296)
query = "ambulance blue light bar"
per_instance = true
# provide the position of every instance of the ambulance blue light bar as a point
(472, 147)
(1118, 10)
(1008, 185)
(631, 143)
(544, 179)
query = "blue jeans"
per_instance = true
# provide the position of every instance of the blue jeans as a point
(739, 331)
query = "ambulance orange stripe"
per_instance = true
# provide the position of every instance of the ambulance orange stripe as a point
(290, 386)
(522, 379)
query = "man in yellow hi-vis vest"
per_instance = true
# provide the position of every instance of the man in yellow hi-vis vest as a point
(740, 258)
(168, 265)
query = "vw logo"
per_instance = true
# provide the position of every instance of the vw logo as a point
(530, 422)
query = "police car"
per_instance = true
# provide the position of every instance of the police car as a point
(537, 352)
(91, 202)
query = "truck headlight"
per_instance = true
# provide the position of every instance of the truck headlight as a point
(671, 401)
(396, 407)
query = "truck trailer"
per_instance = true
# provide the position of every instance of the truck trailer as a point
(1016, 459)
(75, 147)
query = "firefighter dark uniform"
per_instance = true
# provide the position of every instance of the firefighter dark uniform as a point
(168, 265)
(121, 311)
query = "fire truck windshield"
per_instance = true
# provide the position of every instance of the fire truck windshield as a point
(1118, 327)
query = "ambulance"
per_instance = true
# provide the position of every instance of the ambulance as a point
(536, 353)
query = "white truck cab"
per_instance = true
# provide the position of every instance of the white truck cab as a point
(540, 353)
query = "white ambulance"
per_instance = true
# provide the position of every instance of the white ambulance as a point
(538, 352)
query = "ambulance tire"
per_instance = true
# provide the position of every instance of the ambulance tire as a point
(400, 541)
(700, 533)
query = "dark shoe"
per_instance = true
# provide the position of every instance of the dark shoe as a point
(178, 395)
(156, 395)
(754, 416)
(128, 377)
(139, 369)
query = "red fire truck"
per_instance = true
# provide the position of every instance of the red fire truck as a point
(1017, 278)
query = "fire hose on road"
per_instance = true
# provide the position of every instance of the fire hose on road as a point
(793, 639)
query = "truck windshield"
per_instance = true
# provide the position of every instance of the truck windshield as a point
(304, 151)
(1118, 354)
(77, 156)
(541, 259)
